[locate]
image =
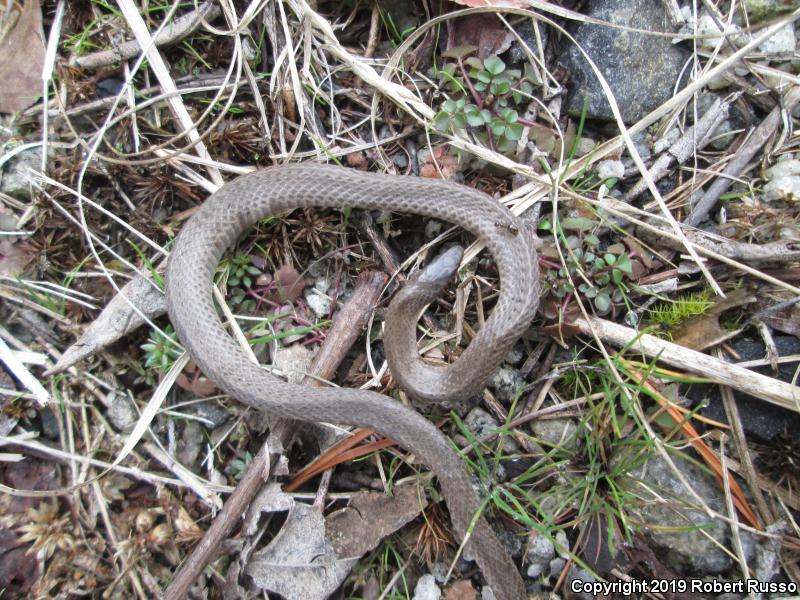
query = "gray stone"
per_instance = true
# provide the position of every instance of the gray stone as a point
(783, 190)
(762, 9)
(555, 432)
(540, 552)
(121, 412)
(641, 70)
(191, 443)
(506, 383)
(426, 589)
(293, 362)
(610, 169)
(782, 41)
(691, 539)
(319, 302)
(432, 228)
(16, 178)
(480, 423)
(783, 168)
(212, 413)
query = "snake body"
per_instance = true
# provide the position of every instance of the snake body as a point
(241, 203)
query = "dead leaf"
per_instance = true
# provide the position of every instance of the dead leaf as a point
(300, 562)
(22, 49)
(116, 320)
(448, 164)
(461, 590)
(483, 30)
(371, 516)
(704, 331)
(192, 380)
(18, 569)
(14, 257)
(312, 554)
(288, 284)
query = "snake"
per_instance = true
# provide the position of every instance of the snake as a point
(243, 201)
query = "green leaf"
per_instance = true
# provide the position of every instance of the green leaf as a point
(602, 303)
(494, 65)
(577, 223)
(441, 122)
(474, 119)
(483, 76)
(499, 88)
(591, 239)
(475, 63)
(450, 106)
(460, 51)
(514, 131)
(616, 276)
(459, 121)
(609, 258)
(624, 264)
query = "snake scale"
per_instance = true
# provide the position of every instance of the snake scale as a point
(241, 203)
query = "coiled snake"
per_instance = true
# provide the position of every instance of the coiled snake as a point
(245, 200)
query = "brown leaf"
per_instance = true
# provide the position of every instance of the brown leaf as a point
(370, 517)
(14, 256)
(447, 163)
(704, 331)
(18, 569)
(289, 285)
(192, 380)
(461, 590)
(22, 50)
(485, 31)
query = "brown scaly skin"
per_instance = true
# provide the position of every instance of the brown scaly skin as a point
(243, 201)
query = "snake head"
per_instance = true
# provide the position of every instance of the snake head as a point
(442, 268)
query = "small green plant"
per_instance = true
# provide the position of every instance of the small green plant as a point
(495, 92)
(237, 273)
(667, 316)
(599, 274)
(161, 350)
(238, 466)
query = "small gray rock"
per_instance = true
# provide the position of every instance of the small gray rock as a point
(506, 383)
(211, 412)
(784, 189)
(555, 432)
(191, 443)
(610, 169)
(695, 548)
(121, 412)
(426, 589)
(640, 69)
(293, 361)
(480, 423)
(784, 168)
(540, 552)
(15, 178)
(782, 41)
(319, 302)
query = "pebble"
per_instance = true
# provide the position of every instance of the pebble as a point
(783, 168)
(783, 189)
(293, 362)
(610, 169)
(426, 589)
(782, 41)
(319, 302)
